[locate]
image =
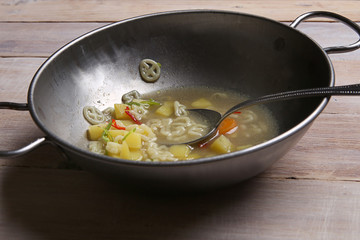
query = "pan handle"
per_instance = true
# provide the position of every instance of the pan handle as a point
(23, 150)
(346, 21)
(29, 147)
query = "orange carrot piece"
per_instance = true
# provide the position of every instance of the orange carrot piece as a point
(227, 125)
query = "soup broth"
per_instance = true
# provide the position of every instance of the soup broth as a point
(136, 130)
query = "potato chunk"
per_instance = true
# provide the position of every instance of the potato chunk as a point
(115, 133)
(95, 132)
(134, 141)
(124, 151)
(221, 145)
(201, 103)
(120, 111)
(180, 151)
(166, 110)
(127, 122)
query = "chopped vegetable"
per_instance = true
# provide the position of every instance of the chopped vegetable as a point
(227, 126)
(166, 110)
(201, 103)
(105, 134)
(115, 133)
(120, 109)
(95, 131)
(115, 125)
(150, 102)
(134, 141)
(221, 145)
(181, 151)
(133, 130)
(134, 103)
(124, 151)
(132, 116)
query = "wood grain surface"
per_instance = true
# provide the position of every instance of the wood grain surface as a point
(313, 192)
(114, 10)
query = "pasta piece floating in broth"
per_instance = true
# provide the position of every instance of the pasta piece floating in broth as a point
(93, 115)
(149, 70)
(130, 96)
(108, 113)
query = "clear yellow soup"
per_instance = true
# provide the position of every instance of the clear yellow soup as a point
(136, 130)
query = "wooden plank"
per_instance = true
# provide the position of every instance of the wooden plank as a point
(42, 39)
(329, 150)
(58, 204)
(113, 10)
(39, 39)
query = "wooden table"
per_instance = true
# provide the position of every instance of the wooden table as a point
(311, 193)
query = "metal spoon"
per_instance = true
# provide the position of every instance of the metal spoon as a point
(214, 118)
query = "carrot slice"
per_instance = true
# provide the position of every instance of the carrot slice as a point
(227, 125)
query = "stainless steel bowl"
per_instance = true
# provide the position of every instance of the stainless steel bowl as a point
(250, 54)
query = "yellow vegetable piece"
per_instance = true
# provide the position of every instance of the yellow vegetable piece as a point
(124, 151)
(127, 122)
(115, 133)
(222, 145)
(201, 103)
(166, 110)
(95, 132)
(134, 141)
(180, 151)
(120, 111)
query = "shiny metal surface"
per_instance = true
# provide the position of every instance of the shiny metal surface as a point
(228, 50)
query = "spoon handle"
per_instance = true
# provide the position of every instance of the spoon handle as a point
(353, 89)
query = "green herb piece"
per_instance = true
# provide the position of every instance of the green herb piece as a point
(150, 102)
(133, 103)
(105, 134)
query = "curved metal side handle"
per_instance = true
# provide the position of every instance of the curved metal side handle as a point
(346, 21)
(23, 150)
(30, 147)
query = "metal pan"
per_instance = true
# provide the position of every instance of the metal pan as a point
(230, 50)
